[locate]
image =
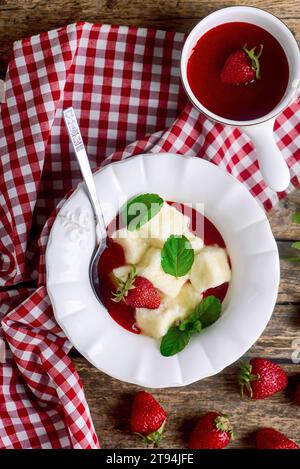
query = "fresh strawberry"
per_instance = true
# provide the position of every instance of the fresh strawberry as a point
(213, 431)
(137, 292)
(148, 418)
(269, 438)
(297, 395)
(242, 67)
(261, 378)
(144, 295)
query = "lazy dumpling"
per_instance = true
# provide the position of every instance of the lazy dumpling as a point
(210, 269)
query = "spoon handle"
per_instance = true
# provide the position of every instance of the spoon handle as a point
(83, 161)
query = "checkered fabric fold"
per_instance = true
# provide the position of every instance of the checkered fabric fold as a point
(124, 86)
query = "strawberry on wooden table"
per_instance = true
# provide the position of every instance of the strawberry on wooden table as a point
(242, 67)
(269, 438)
(148, 418)
(137, 292)
(213, 431)
(261, 378)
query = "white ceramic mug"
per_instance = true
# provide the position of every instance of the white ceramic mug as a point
(272, 164)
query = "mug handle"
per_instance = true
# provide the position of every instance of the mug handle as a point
(273, 167)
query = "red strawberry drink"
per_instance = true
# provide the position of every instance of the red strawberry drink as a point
(238, 71)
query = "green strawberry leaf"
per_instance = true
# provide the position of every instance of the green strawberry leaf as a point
(124, 286)
(209, 310)
(296, 218)
(154, 437)
(140, 210)
(254, 57)
(174, 341)
(177, 256)
(296, 245)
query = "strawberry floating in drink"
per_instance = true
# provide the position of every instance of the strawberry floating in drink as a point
(242, 67)
(238, 71)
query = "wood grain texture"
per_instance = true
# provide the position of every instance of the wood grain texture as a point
(110, 400)
(280, 218)
(110, 403)
(21, 18)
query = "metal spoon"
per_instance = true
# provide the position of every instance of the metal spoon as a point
(83, 161)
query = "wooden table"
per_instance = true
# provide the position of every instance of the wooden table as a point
(110, 400)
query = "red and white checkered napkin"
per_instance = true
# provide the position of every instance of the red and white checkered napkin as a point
(125, 88)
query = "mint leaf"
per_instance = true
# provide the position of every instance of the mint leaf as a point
(177, 256)
(296, 218)
(191, 324)
(140, 210)
(177, 337)
(203, 315)
(174, 341)
(296, 245)
(209, 310)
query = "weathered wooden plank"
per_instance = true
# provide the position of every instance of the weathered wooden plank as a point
(110, 403)
(110, 400)
(110, 409)
(281, 336)
(289, 289)
(153, 8)
(281, 218)
(190, 8)
(19, 19)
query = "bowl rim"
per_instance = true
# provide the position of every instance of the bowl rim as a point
(142, 382)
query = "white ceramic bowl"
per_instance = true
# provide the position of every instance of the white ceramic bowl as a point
(250, 299)
(258, 17)
(272, 164)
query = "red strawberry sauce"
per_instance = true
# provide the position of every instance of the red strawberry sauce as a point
(113, 257)
(243, 102)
